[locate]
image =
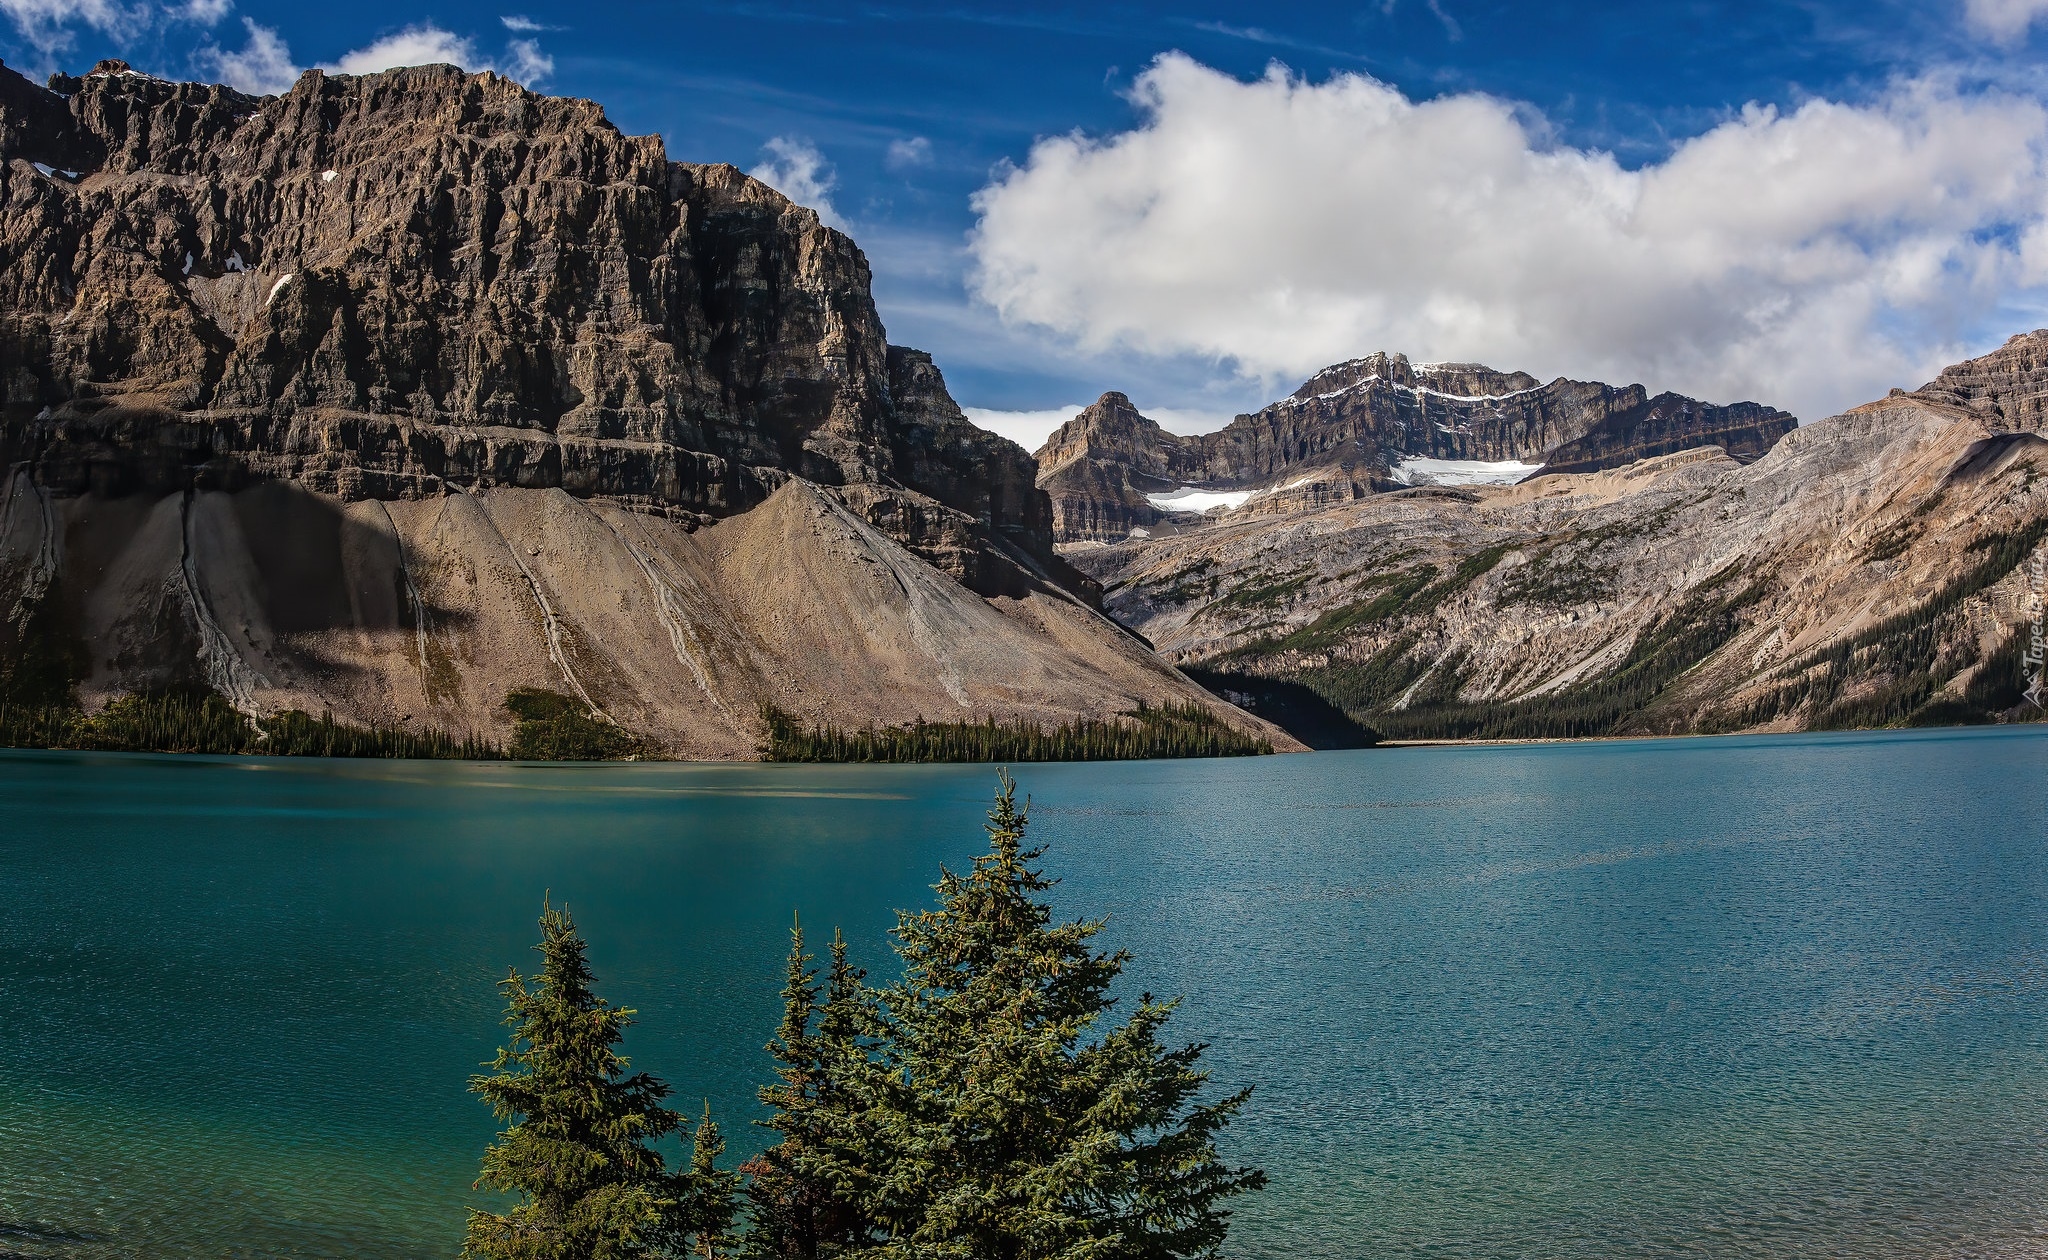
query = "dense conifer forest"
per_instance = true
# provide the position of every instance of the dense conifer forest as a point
(194, 721)
(1172, 730)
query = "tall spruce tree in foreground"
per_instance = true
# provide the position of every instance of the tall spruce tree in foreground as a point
(579, 1153)
(809, 1190)
(1013, 1120)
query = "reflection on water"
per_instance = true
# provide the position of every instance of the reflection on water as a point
(1746, 997)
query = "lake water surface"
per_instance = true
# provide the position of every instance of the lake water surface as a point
(1782, 996)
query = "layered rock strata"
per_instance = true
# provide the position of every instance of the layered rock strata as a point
(396, 392)
(1348, 429)
(1880, 566)
(384, 286)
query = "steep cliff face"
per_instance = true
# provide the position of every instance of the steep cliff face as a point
(1350, 428)
(2007, 389)
(382, 286)
(396, 392)
(1877, 567)
(1099, 467)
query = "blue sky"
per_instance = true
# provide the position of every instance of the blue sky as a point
(1416, 173)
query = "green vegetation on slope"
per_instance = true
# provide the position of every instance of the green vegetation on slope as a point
(1292, 706)
(1609, 704)
(1900, 672)
(1174, 730)
(553, 727)
(1903, 655)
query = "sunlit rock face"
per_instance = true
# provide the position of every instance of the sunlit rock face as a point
(381, 286)
(395, 392)
(1351, 428)
(1877, 567)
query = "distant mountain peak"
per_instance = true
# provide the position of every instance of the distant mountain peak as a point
(1369, 424)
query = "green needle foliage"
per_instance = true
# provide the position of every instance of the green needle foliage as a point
(713, 1199)
(200, 721)
(809, 1189)
(986, 1106)
(579, 1154)
(1015, 1120)
(549, 726)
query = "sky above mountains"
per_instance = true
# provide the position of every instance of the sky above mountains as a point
(1800, 203)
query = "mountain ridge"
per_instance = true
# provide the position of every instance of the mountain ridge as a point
(1870, 569)
(1351, 425)
(395, 393)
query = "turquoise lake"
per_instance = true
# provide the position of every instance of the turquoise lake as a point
(1760, 996)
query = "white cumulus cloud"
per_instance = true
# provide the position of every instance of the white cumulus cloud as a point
(264, 64)
(1029, 429)
(796, 169)
(1809, 258)
(263, 67)
(422, 45)
(2003, 20)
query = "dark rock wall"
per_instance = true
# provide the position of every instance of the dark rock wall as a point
(377, 285)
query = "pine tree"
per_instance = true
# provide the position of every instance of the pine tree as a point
(1014, 1124)
(579, 1153)
(807, 1188)
(712, 1200)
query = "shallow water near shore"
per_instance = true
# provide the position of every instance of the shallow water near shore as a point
(1760, 996)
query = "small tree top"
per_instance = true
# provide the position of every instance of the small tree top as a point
(579, 1151)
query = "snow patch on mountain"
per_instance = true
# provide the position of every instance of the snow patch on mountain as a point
(1419, 471)
(1194, 499)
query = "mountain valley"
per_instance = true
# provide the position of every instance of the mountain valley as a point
(397, 394)
(1869, 569)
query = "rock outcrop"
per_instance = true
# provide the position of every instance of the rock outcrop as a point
(1348, 430)
(1880, 566)
(2006, 389)
(383, 286)
(398, 391)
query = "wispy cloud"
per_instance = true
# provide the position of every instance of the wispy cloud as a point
(796, 169)
(1451, 27)
(908, 154)
(264, 64)
(51, 26)
(520, 24)
(1276, 39)
(263, 67)
(525, 62)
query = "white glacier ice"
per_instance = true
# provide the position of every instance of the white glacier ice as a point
(1420, 471)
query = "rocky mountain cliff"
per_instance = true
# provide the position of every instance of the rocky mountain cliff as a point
(1880, 566)
(399, 390)
(381, 286)
(1363, 425)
